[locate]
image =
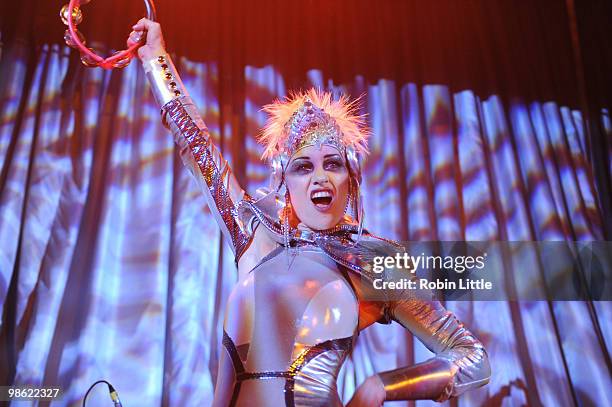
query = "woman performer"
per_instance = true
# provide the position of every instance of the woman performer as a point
(304, 267)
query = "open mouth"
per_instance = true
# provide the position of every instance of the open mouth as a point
(322, 198)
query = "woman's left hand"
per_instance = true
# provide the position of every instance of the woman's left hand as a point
(371, 393)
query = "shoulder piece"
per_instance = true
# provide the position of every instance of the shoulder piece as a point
(338, 243)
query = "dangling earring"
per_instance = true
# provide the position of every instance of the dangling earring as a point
(349, 199)
(355, 200)
(359, 209)
(286, 213)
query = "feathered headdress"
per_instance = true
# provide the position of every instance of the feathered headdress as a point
(313, 118)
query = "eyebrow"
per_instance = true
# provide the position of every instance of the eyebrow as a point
(308, 158)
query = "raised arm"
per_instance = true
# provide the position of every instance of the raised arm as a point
(197, 151)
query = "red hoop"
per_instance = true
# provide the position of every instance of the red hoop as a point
(88, 57)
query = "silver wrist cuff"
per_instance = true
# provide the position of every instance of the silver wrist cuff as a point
(164, 79)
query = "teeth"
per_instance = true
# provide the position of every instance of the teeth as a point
(322, 194)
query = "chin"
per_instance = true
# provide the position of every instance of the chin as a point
(321, 221)
(324, 226)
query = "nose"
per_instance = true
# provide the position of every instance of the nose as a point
(320, 177)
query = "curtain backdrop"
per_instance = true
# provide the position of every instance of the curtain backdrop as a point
(112, 267)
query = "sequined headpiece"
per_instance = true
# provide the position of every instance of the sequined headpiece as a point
(313, 118)
(310, 125)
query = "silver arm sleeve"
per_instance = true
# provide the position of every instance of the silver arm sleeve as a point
(197, 151)
(461, 362)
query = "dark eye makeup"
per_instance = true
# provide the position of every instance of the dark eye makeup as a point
(333, 163)
(303, 165)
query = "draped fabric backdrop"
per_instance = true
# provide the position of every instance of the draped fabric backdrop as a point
(490, 120)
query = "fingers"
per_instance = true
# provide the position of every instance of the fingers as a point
(139, 26)
(151, 32)
(134, 38)
(139, 30)
(148, 25)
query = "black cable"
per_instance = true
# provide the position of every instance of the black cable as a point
(111, 390)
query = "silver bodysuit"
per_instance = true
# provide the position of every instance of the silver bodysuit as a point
(291, 321)
(289, 326)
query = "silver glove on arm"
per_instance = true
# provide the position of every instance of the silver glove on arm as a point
(460, 364)
(197, 151)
